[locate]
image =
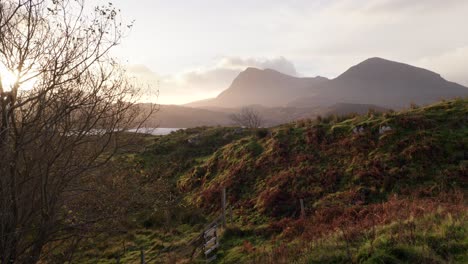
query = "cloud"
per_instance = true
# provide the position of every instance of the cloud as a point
(321, 37)
(280, 64)
(202, 83)
(327, 39)
(411, 6)
(452, 65)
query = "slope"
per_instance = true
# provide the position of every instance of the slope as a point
(354, 175)
(376, 188)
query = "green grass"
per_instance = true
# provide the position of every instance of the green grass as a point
(345, 179)
(158, 245)
(423, 145)
(435, 238)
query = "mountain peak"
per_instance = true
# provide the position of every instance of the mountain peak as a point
(267, 87)
(252, 69)
(379, 69)
(381, 62)
(377, 60)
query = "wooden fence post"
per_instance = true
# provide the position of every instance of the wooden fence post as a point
(142, 255)
(223, 202)
(302, 208)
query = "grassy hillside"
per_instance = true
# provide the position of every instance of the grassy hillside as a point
(327, 164)
(377, 188)
(351, 175)
(144, 183)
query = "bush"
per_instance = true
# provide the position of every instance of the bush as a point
(154, 220)
(192, 216)
(261, 133)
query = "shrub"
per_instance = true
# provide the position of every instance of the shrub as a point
(261, 133)
(154, 220)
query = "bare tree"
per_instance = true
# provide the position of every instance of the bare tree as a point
(61, 119)
(247, 117)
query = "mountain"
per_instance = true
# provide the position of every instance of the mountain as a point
(385, 83)
(374, 81)
(265, 87)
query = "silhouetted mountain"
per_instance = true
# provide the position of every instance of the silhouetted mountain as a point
(279, 98)
(374, 81)
(385, 83)
(265, 87)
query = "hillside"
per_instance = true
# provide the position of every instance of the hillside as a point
(376, 188)
(421, 147)
(344, 177)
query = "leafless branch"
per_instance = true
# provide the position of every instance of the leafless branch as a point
(247, 117)
(60, 121)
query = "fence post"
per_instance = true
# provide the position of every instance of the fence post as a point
(142, 255)
(223, 202)
(118, 260)
(302, 208)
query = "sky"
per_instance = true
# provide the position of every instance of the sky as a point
(193, 49)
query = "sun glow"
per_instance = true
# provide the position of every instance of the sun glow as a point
(8, 80)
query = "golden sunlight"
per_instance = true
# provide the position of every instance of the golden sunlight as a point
(9, 78)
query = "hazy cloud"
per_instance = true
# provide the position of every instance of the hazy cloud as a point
(338, 34)
(452, 65)
(279, 64)
(405, 5)
(320, 37)
(202, 83)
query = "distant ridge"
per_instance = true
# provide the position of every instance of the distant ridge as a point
(374, 81)
(175, 116)
(385, 83)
